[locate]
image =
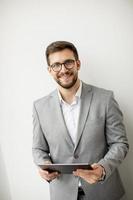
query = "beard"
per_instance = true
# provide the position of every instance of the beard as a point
(69, 84)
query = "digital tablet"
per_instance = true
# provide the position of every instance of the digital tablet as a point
(65, 168)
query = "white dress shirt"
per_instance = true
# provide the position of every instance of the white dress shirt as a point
(71, 113)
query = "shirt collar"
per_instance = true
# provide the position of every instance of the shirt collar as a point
(77, 95)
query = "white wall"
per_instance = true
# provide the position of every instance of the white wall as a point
(102, 30)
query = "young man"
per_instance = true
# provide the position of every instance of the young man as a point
(78, 123)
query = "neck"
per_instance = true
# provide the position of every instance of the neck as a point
(68, 95)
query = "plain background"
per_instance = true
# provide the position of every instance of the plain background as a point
(102, 31)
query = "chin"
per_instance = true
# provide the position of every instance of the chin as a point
(67, 85)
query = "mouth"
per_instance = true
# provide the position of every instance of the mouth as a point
(65, 77)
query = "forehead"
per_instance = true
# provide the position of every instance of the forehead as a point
(61, 56)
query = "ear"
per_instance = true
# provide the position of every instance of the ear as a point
(78, 64)
(49, 69)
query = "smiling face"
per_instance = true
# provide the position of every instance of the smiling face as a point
(66, 78)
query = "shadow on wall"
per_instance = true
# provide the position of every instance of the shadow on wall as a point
(4, 184)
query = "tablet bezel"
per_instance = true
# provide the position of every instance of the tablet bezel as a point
(65, 168)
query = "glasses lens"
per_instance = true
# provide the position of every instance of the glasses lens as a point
(69, 63)
(56, 67)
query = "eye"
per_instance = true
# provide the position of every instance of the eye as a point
(56, 65)
(69, 62)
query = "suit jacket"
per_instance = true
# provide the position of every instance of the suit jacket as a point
(101, 138)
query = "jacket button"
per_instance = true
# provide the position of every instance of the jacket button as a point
(76, 156)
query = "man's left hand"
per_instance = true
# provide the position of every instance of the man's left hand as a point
(91, 176)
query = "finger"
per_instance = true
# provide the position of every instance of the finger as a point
(53, 175)
(91, 181)
(80, 173)
(84, 172)
(88, 176)
(43, 172)
(94, 165)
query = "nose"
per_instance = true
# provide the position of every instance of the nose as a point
(63, 68)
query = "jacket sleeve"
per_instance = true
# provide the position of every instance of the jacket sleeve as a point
(115, 134)
(40, 147)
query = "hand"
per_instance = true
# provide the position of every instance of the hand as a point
(91, 176)
(48, 176)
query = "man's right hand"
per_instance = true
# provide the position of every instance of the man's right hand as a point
(48, 176)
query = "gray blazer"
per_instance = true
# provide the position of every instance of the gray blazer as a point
(101, 138)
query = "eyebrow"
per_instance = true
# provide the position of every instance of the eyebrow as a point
(63, 61)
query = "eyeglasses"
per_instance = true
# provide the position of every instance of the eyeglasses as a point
(68, 64)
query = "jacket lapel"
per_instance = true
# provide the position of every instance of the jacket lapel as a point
(86, 98)
(60, 122)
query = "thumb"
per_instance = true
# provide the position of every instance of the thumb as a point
(94, 165)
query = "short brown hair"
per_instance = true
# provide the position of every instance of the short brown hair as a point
(59, 46)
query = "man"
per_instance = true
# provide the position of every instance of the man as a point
(78, 123)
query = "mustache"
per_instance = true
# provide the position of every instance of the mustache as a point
(66, 73)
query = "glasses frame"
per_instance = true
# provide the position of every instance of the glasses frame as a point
(64, 63)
